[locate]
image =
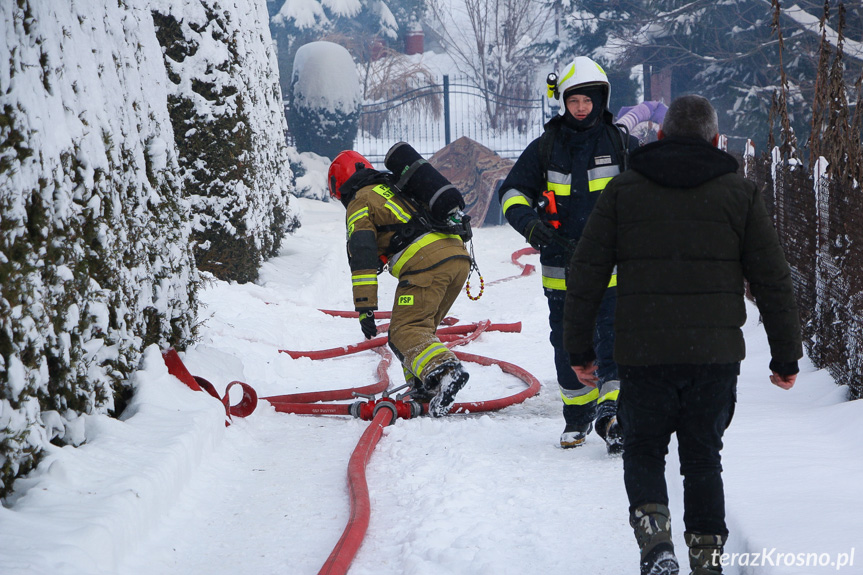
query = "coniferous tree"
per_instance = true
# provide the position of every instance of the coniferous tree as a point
(725, 51)
(95, 262)
(593, 28)
(229, 130)
(364, 23)
(324, 99)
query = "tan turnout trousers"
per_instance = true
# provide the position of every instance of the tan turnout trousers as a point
(422, 300)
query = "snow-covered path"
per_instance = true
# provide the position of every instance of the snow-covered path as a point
(468, 494)
(486, 493)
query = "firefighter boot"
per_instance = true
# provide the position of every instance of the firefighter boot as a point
(419, 392)
(613, 437)
(705, 552)
(447, 380)
(574, 435)
(652, 526)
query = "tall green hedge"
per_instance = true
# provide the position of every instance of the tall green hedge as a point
(95, 262)
(229, 130)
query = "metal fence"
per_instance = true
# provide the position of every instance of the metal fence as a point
(820, 225)
(435, 115)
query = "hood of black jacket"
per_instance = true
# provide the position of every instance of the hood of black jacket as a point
(681, 162)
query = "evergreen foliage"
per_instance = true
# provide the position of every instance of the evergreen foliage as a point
(588, 29)
(725, 51)
(229, 130)
(94, 256)
(324, 119)
(408, 14)
(366, 23)
(322, 131)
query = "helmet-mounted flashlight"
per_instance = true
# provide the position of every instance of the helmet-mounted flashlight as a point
(551, 83)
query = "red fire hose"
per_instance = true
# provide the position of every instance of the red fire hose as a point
(526, 269)
(382, 412)
(346, 549)
(379, 341)
(310, 397)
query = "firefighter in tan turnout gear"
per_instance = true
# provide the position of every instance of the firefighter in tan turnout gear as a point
(384, 231)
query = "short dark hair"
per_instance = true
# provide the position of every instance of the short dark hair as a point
(691, 116)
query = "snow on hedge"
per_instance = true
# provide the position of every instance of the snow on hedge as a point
(95, 261)
(230, 130)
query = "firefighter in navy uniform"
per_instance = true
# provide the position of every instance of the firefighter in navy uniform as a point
(431, 268)
(547, 197)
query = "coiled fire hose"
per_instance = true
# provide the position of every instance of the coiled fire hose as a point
(381, 412)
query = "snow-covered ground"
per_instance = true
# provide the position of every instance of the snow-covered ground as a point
(168, 489)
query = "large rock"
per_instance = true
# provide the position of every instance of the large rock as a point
(478, 172)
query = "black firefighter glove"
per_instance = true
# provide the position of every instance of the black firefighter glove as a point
(538, 233)
(367, 323)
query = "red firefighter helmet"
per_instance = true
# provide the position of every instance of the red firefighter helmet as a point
(343, 167)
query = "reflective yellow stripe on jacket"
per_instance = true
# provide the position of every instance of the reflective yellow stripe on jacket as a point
(398, 261)
(354, 217)
(513, 197)
(598, 178)
(554, 278)
(398, 212)
(559, 183)
(364, 280)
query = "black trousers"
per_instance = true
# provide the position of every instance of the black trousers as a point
(697, 403)
(603, 345)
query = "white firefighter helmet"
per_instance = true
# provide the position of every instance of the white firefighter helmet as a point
(581, 72)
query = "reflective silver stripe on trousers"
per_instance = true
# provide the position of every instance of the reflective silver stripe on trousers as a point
(557, 273)
(554, 272)
(609, 386)
(573, 393)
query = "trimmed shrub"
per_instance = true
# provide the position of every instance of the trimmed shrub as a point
(95, 263)
(324, 104)
(229, 131)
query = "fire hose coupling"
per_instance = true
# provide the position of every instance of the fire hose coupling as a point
(367, 410)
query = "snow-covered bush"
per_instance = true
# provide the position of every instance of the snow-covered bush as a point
(366, 23)
(325, 96)
(94, 232)
(229, 129)
(306, 169)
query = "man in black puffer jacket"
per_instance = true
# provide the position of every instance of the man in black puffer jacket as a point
(684, 231)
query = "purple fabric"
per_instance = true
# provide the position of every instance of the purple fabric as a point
(631, 116)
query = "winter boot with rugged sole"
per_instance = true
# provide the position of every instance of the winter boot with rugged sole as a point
(448, 379)
(574, 435)
(613, 437)
(652, 526)
(705, 553)
(419, 392)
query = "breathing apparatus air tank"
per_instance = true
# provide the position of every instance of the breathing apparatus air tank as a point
(418, 179)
